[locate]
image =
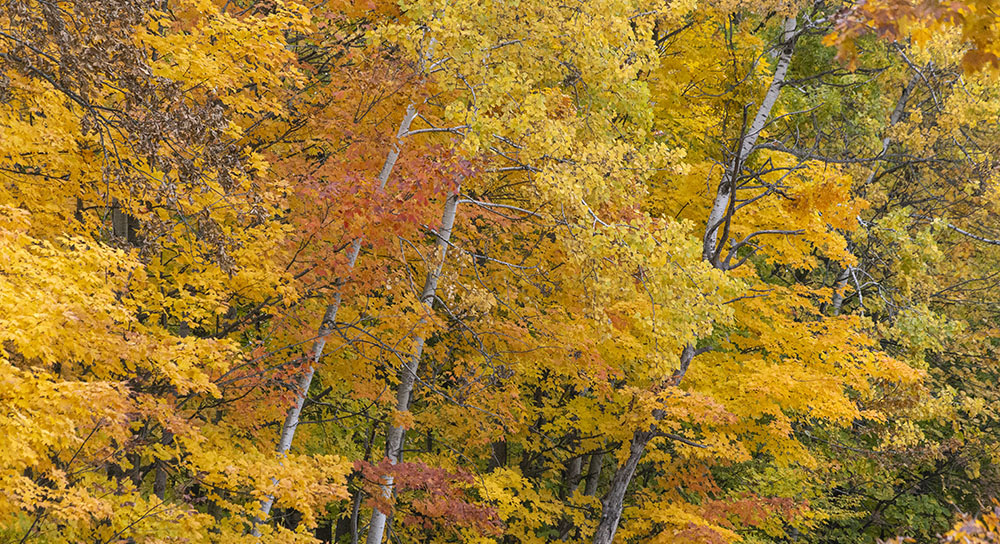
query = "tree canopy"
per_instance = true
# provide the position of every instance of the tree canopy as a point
(502, 272)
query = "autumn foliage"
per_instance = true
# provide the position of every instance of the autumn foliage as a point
(494, 272)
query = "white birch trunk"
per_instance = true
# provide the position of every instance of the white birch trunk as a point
(329, 319)
(720, 206)
(408, 373)
(894, 117)
(613, 502)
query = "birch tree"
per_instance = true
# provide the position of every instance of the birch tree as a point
(396, 432)
(328, 325)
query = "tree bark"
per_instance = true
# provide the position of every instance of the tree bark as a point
(498, 455)
(594, 473)
(614, 500)
(329, 320)
(727, 186)
(838, 291)
(160, 478)
(574, 473)
(720, 213)
(408, 373)
(573, 469)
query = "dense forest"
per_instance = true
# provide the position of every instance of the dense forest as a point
(499, 271)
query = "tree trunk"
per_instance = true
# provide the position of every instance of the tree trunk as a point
(329, 319)
(838, 291)
(614, 500)
(119, 220)
(723, 197)
(355, 515)
(720, 213)
(408, 373)
(160, 479)
(573, 469)
(894, 118)
(498, 455)
(594, 473)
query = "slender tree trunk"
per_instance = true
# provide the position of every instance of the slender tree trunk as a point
(355, 515)
(838, 291)
(329, 319)
(613, 502)
(573, 470)
(723, 197)
(349, 524)
(408, 373)
(498, 455)
(119, 220)
(160, 479)
(894, 117)
(594, 473)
